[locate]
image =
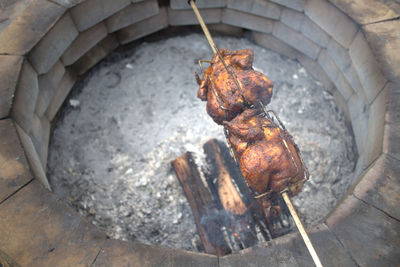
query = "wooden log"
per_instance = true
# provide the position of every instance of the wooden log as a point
(204, 209)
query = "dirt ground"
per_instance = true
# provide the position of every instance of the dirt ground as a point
(136, 111)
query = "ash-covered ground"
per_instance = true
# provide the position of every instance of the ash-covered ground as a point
(110, 153)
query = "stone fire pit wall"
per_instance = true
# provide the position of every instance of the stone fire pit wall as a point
(352, 47)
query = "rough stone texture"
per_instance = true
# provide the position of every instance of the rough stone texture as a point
(46, 53)
(293, 4)
(257, 7)
(67, 3)
(341, 102)
(393, 106)
(371, 237)
(30, 26)
(339, 54)
(85, 41)
(274, 44)
(91, 12)
(296, 40)
(144, 27)
(365, 11)
(96, 54)
(132, 14)
(384, 40)
(391, 140)
(380, 186)
(366, 67)
(332, 20)
(60, 94)
(292, 18)
(290, 250)
(183, 4)
(328, 65)
(33, 158)
(223, 29)
(25, 97)
(47, 86)
(313, 32)
(14, 170)
(120, 253)
(186, 17)
(10, 66)
(247, 21)
(38, 230)
(343, 86)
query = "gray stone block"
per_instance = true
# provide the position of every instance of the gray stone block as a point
(341, 102)
(293, 19)
(366, 11)
(352, 77)
(96, 54)
(33, 158)
(60, 94)
(83, 43)
(25, 97)
(316, 71)
(10, 67)
(29, 27)
(257, 7)
(328, 64)
(343, 86)
(132, 14)
(393, 105)
(366, 67)
(186, 17)
(357, 105)
(296, 40)
(183, 4)
(40, 136)
(144, 27)
(339, 54)
(293, 4)
(224, 29)
(360, 130)
(50, 48)
(36, 135)
(313, 32)
(369, 235)
(332, 20)
(48, 84)
(274, 44)
(391, 139)
(91, 12)
(247, 21)
(67, 3)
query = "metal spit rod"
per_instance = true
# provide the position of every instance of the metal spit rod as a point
(285, 194)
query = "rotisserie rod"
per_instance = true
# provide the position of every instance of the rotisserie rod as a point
(236, 94)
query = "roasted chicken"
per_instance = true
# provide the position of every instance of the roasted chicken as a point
(234, 86)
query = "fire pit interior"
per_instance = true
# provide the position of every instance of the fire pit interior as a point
(135, 112)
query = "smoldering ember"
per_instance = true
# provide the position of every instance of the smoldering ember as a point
(136, 111)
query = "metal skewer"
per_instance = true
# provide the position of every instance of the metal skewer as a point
(285, 194)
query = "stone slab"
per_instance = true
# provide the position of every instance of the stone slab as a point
(391, 139)
(313, 32)
(10, 67)
(293, 4)
(352, 78)
(25, 97)
(96, 54)
(91, 12)
(33, 158)
(360, 130)
(46, 128)
(364, 12)
(144, 27)
(224, 29)
(37, 229)
(257, 7)
(247, 21)
(67, 3)
(339, 54)
(119, 253)
(292, 18)
(365, 65)
(83, 43)
(328, 65)
(132, 14)
(384, 40)
(371, 237)
(290, 250)
(380, 186)
(183, 4)
(14, 170)
(296, 40)
(343, 86)
(63, 89)
(30, 26)
(274, 44)
(48, 84)
(393, 105)
(332, 21)
(186, 17)
(36, 135)
(50, 48)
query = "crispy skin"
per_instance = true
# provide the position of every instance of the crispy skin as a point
(264, 160)
(219, 88)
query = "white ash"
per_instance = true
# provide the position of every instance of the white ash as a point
(110, 155)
